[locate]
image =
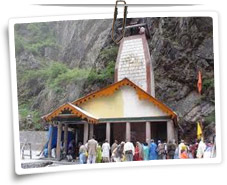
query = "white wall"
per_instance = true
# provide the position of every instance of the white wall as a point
(134, 107)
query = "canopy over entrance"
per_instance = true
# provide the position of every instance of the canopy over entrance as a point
(69, 110)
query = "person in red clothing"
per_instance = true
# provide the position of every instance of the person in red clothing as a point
(137, 155)
(193, 149)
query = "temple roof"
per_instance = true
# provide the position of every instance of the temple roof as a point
(109, 90)
(74, 110)
(77, 111)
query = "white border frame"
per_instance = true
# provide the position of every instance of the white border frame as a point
(21, 171)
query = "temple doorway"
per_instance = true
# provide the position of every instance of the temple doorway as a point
(117, 131)
(79, 133)
(159, 131)
(138, 132)
(100, 132)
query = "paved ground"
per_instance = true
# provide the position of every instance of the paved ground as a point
(37, 161)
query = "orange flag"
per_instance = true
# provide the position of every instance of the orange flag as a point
(199, 84)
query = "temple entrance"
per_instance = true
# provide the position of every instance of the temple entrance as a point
(117, 131)
(100, 132)
(138, 132)
(79, 133)
(159, 131)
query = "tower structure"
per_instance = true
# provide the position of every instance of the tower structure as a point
(134, 62)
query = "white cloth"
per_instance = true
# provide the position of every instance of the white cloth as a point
(82, 149)
(117, 159)
(53, 152)
(86, 144)
(91, 159)
(208, 152)
(129, 146)
(142, 30)
(106, 150)
(201, 149)
(213, 151)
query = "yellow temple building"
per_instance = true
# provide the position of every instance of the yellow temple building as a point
(126, 110)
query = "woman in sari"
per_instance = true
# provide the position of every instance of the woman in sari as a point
(153, 151)
(121, 151)
(137, 155)
(99, 154)
(82, 154)
(145, 152)
(141, 150)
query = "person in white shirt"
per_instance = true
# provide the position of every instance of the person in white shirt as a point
(201, 149)
(106, 151)
(129, 151)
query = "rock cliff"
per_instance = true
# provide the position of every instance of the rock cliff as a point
(180, 47)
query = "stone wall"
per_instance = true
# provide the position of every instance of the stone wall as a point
(37, 139)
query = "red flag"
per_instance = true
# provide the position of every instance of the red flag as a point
(199, 84)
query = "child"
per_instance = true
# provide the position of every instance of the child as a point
(184, 154)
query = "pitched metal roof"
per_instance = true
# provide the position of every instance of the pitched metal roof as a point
(77, 111)
(107, 91)
(143, 95)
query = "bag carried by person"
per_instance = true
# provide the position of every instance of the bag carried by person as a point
(86, 154)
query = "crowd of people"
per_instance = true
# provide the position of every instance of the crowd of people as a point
(94, 152)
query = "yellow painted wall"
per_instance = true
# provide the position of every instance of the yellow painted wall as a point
(106, 106)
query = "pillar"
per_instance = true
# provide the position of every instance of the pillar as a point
(30, 150)
(108, 131)
(58, 149)
(170, 130)
(50, 141)
(91, 131)
(66, 138)
(128, 132)
(176, 134)
(76, 136)
(85, 132)
(148, 132)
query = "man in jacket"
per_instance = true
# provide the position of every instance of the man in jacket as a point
(92, 150)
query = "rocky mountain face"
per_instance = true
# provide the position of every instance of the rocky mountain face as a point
(61, 61)
(54, 61)
(180, 47)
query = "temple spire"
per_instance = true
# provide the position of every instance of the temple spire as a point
(134, 61)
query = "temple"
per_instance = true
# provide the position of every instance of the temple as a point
(126, 110)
